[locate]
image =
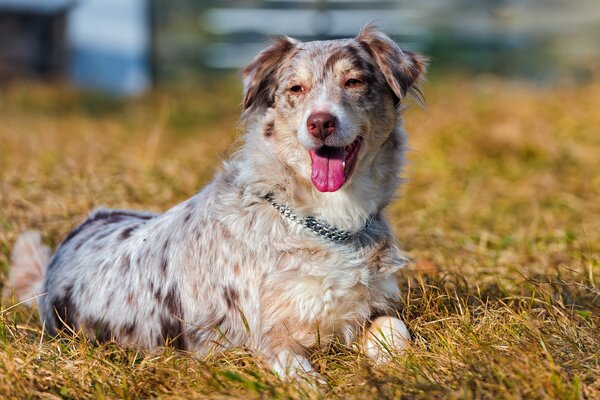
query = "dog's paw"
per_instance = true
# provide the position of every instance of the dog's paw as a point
(290, 366)
(386, 337)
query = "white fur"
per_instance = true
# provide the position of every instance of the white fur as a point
(224, 268)
(29, 259)
(385, 338)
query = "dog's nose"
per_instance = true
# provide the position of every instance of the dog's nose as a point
(321, 124)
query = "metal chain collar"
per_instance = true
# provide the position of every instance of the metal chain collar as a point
(318, 227)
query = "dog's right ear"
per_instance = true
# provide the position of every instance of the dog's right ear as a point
(259, 76)
(401, 69)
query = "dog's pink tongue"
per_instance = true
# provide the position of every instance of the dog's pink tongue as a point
(328, 169)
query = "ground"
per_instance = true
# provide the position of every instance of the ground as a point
(500, 213)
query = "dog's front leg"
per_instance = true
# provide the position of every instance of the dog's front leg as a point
(385, 337)
(288, 364)
(285, 356)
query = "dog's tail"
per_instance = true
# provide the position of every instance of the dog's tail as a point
(29, 258)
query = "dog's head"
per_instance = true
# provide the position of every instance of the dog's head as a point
(327, 107)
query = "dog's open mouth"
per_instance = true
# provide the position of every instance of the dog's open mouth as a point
(332, 166)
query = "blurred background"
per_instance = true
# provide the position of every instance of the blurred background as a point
(127, 47)
(134, 103)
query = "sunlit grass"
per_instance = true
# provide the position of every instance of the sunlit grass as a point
(500, 213)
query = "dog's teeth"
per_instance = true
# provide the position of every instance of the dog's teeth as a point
(343, 164)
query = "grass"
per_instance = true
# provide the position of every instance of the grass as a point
(501, 215)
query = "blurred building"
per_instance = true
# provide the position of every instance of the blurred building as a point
(125, 46)
(100, 44)
(226, 34)
(238, 32)
(536, 39)
(110, 44)
(33, 42)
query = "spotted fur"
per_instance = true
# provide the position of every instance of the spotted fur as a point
(225, 268)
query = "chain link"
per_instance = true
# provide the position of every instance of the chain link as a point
(314, 225)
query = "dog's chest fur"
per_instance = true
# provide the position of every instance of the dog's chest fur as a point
(302, 282)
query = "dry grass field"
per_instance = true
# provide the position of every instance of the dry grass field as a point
(500, 213)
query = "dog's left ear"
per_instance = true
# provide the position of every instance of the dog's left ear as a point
(259, 76)
(402, 69)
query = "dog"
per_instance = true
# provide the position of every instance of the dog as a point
(286, 247)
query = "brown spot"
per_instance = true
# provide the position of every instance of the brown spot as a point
(226, 234)
(236, 268)
(315, 253)
(269, 129)
(127, 232)
(157, 295)
(66, 312)
(125, 263)
(231, 297)
(172, 302)
(164, 264)
(127, 329)
(99, 329)
(131, 299)
(172, 332)
(172, 325)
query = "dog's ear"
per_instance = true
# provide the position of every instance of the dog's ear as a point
(259, 76)
(402, 69)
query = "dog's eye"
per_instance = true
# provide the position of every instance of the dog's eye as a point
(353, 83)
(297, 89)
